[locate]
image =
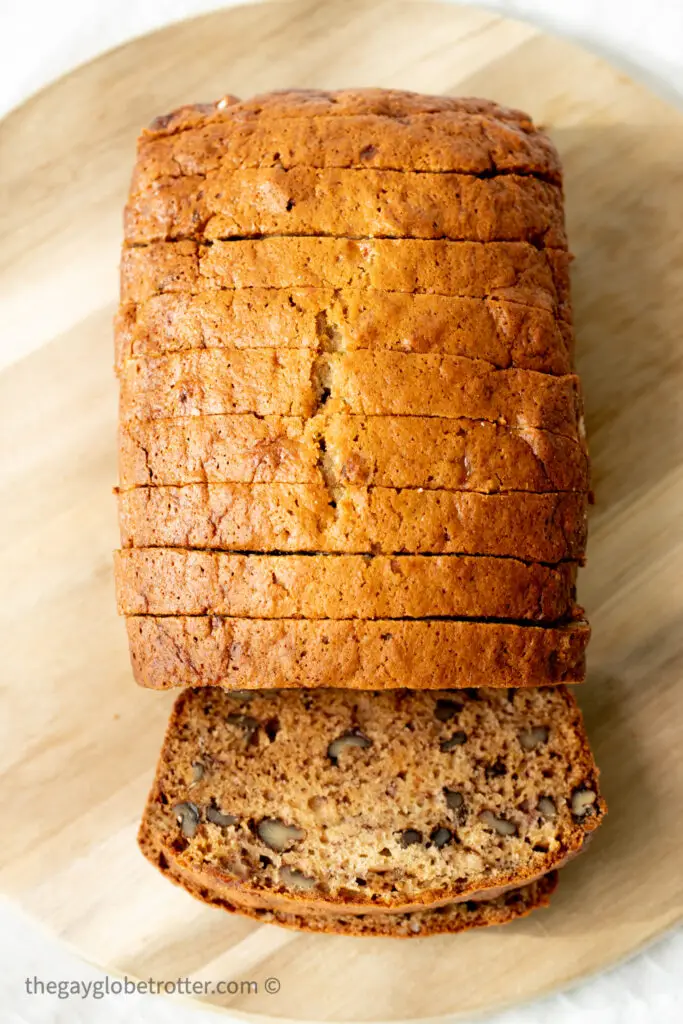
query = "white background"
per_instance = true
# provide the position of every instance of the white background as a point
(41, 39)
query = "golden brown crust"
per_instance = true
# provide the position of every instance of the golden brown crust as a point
(377, 520)
(469, 144)
(449, 920)
(381, 654)
(362, 821)
(380, 451)
(513, 271)
(296, 382)
(209, 382)
(336, 202)
(311, 103)
(296, 902)
(163, 581)
(506, 334)
(384, 130)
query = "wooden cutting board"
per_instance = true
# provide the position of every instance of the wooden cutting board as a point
(79, 740)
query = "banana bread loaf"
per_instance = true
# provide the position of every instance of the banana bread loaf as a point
(402, 393)
(358, 803)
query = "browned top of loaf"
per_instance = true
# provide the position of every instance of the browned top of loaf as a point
(355, 520)
(401, 817)
(516, 271)
(506, 334)
(383, 451)
(449, 920)
(332, 103)
(339, 202)
(163, 581)
(442, 143)
(296, 382)
(376, 128)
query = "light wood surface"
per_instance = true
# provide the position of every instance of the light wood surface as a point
(79, 741)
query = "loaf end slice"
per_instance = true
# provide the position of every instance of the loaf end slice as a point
(362, 803)
(447, 920)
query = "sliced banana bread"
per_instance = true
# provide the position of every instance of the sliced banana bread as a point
(295, 382)
(341, 203)
(172, 581)
(345, 129)
(514, 271)
(354, 520)
(445, 920)
(380, 451)
(506, 334)
(362, 802)
(238, 653)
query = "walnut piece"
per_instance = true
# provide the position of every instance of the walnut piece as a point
(454, 800)
(456, 740)
(215, 815)
(446, 709)
(532, 738)
(441, 837)
(582, 802)
(296, 879)
(353, 738)
(277, 835)
(547, 807)
(500, 825)
(187, 816)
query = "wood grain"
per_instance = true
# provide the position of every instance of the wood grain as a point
(78, 740)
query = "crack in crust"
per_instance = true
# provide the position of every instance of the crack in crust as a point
(298, 517)
(346, 203)
(162, 581)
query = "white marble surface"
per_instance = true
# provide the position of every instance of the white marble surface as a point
(40, 40)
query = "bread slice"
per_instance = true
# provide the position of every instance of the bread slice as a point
(238, 653)
(447, 920)
(354, 520)
(380, 451)
(358, 803)
(475, 139)
(256, 202)
(515, 271)
(506, 334)
(295, 382)
(171, 581)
